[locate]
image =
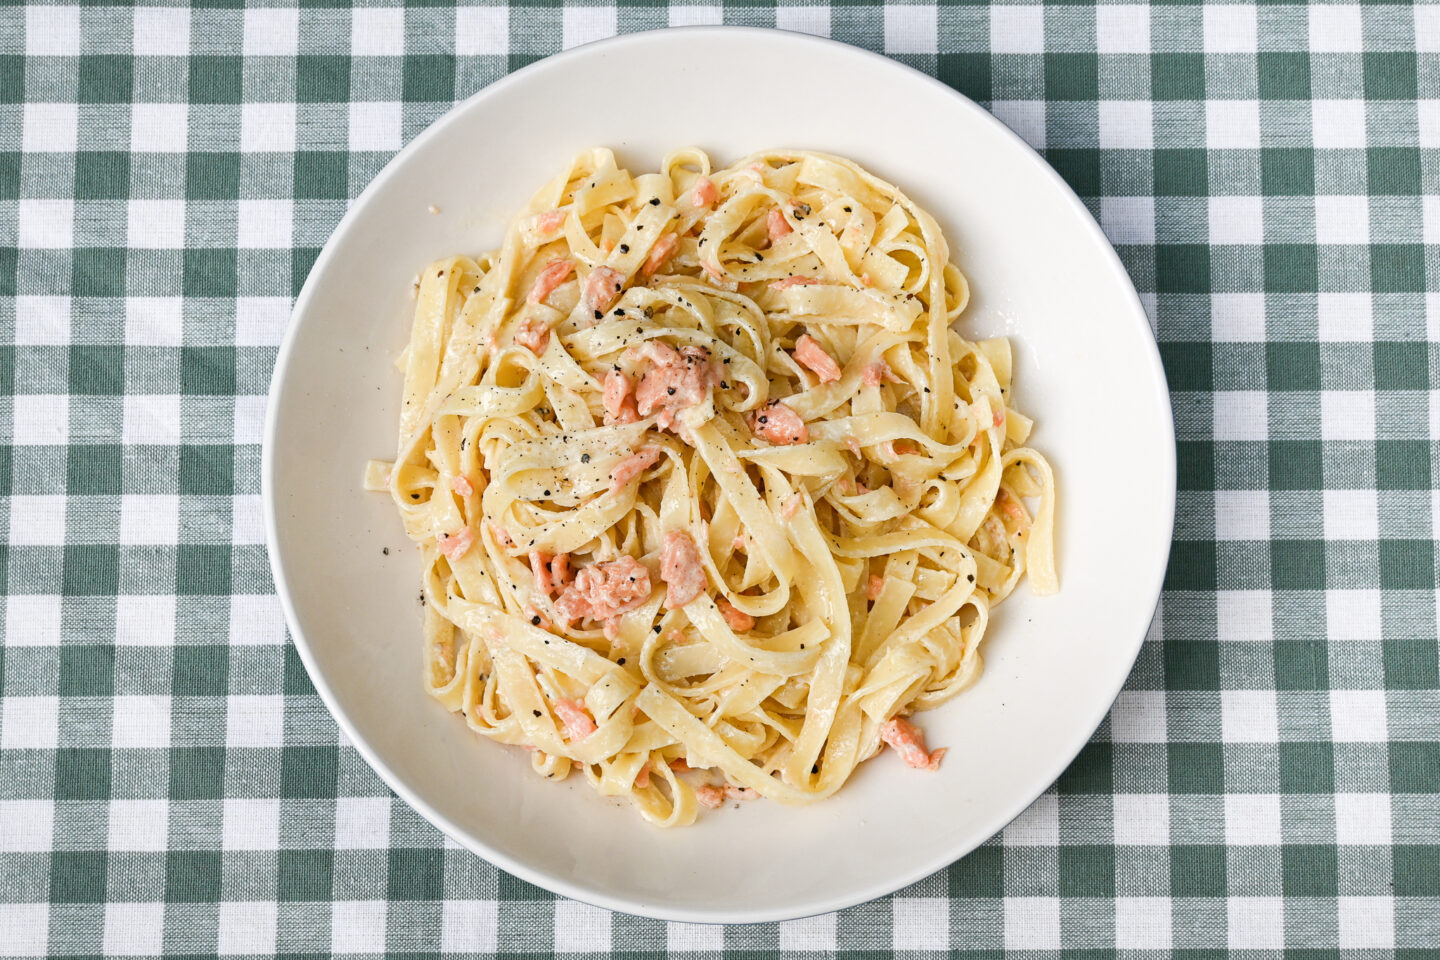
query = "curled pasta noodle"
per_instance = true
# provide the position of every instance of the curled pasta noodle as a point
(710, 494)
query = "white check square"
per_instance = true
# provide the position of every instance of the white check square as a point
(154, 321)
(470, 926)
(156, 224)
(32, 619)
(1358, 716)
(377, 32)
(1427, 29)
(1336, 29)
(1253, 819)
(42, 321)
(697, 15)
(28, 928)
(29, 723)
(1256, 923)
(482, 31)
(1017, 29)
(1249, 716)
(1237, 220)
(1142, 923)
(1122, 28)
(134, 929)
(585, 24)
(1032, 923)
(1242, 515)
(52, 31)
(261, 321)
(256, 620)
(1038, 824)
(1126, 124)
(1367, 923)
(41, 419)
(162, 31)
(1345, 318)
(581, 928)
(694, 937)
(1142, 819)
(920, 923)
(264, 224)
(1353, 615)
(267, 127)
(255, 721)
(1362, 819)
(1244, 616)
(911, 29)
(1236, 317)
(1128, 220)
(1352, 515)
(250, 824)
(1138, 716)
(50, 127)
(142, 825)
(362, 823)
(37, 520)
(358, 926)
(142, 620)
(247, 523)
(1338, 124)
(25, 827)
(1232, 124)
(1230, 28)
(141, 722)
(1025, 117)
(375, 125)
(152, 418)
(249, 425)
(1342, 219)
(45, 224)
(1347, 414)
(1242, 415)
(811, 933)
(271, 32)
(247, 927)
(160, 127)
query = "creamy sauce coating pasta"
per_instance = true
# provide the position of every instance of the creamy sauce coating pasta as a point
(711, 495)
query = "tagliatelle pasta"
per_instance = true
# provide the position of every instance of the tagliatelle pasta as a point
(704, 479)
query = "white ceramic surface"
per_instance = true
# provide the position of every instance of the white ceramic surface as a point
(1041, 271)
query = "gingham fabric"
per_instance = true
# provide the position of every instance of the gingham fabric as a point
(1270, 778)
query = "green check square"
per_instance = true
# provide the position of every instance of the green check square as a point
(322, 78)
(1181, 173)
(1192, 664)
(9, 260)
(97, 272)
(1292, 366)
(1177, 76)
(1087, 870)
(105, 78)
(1297, 564)
(216, 79)
(1390, 75)
(308, 771)
(197, 773)
(1072, 76)
(968, 73)
(1414, 767)
(94, 469)
(1291, 268)
(97, 370)
(82, 773)
(1192, 565)
(1182, 268)
(207, 370)
(1287, 171)
(1301, 665)
(1402, 366)
(1196, 767)
(1307, 767)
(1296, 465)
(416, 874)
(1079, 167)
(201, 671)
(202, 570)
(1092, 771)
(91, 569)
(1411, 664)
(209, 273)
(192, 876)
(1397, 267)
(1402, 464)
(77, 876)
(1197, 870)
(207, 470)
(1407, 564)
(296, 682)
(102, 175)
(87, 670)
(428, 77)
(1188, 365)
(212, 176)
(7, 473)
(305, 875)
(1394, 171)
(321, 175)
(1195, 465)
(1414, 868)
(1283, 75)
(1309, 870)
(9, 176)
(12, 78)
(980, 873)
(301, 260)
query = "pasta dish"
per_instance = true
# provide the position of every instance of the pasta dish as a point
(711, 497)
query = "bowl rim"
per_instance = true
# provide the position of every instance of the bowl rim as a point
(561, 885)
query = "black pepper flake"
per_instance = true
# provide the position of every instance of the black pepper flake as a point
(624, 248)
(385, 550)
(654, 201)
(759, 257)
(814, 768)
(846, 209)
(414, 496)
(621, 661)
(619, 312)
(670, 391)
(584, 458)
(477, 290)
(547, 493)
(639, 226)
(970, 577)
(536, 712)
(763, 419)
(598, 315)
(535, 620)
(657, 628)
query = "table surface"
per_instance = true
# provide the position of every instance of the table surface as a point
(1270, 777)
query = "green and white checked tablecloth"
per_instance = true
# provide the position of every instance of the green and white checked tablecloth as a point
(1268, 781)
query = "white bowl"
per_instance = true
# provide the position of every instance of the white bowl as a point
(1041, 271)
